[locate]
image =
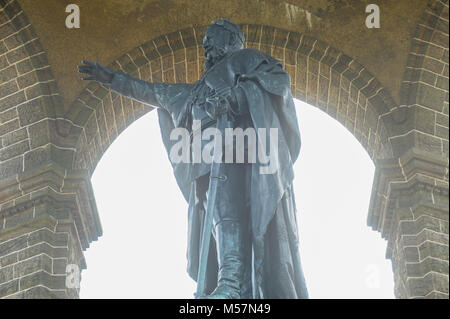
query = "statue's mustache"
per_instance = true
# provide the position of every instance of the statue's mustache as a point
(213, 55)
(215, 52)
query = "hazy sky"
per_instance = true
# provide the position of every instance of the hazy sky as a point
(142, 253)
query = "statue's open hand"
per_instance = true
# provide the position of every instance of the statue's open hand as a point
(96, 72)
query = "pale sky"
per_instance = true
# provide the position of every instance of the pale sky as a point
(142, 253)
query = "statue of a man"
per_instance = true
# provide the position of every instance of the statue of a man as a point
(254, 249)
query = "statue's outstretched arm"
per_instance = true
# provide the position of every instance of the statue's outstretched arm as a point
(96, 72)
(142, 91)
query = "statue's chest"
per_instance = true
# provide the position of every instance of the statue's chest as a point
(198, 101)
(218, 77)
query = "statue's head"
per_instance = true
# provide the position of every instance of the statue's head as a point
(221, 38)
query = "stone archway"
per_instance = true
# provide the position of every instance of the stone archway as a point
(315, 68)
(46, 213)
(409, 204)
(48, 152)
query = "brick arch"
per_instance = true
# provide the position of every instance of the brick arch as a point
(424, 91)
(42, 202)
(320, 75)
(29, 99)
(427, 50)
(409, 204)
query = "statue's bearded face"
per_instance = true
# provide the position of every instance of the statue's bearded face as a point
(216, 43)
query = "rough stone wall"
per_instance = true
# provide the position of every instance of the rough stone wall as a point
(41, 227)
(410, 196)
(25, 89)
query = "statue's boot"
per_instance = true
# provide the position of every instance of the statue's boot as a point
(229, 236)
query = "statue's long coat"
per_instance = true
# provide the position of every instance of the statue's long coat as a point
(277, 271)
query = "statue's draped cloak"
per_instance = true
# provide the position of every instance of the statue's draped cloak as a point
(265, 87)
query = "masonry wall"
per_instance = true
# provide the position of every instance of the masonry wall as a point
(41, 229)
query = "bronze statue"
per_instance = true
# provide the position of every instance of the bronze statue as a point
(253, 251)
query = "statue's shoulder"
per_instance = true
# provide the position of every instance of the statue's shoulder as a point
(251, 54)
(251, 58)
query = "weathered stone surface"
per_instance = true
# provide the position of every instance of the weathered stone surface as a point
(6, 274)
(8, 259)
(9, 127)
(14, 150)
(44, 279)
(14, 137)
(11, 167)
(8, 288)
(38, 292)
(13, 245)
(40, 262)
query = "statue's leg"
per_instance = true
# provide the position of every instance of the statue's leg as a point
(231, 230)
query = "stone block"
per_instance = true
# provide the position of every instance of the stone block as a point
(19, 219)
(33, 111)
(411, 254)
(49, 153)
(38, 292)
(425, 120)
(27, 80)
(426, 266)
(430, 97)
(32, 265)
(11, 167)
(8, 259)
(24, 66)
(427, 222)
(17, 54)
(14, 137)
(13, 245)
(43, 278)
(442, 132)
(39, 133)
(59, 266)
(8, 88)
(48, 236)
(8, 115)
(43, 248)
(9, 288)
(432, 236)
(6, 274)
(14, 150)
(432, 249)
(419, 287)
(12, 101)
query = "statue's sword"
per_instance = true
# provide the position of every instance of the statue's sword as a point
(212, 193)
(208, 221)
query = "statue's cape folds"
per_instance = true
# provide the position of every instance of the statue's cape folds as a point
(266, 87)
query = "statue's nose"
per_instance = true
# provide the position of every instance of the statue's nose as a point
(207, 41)
(207, 44)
